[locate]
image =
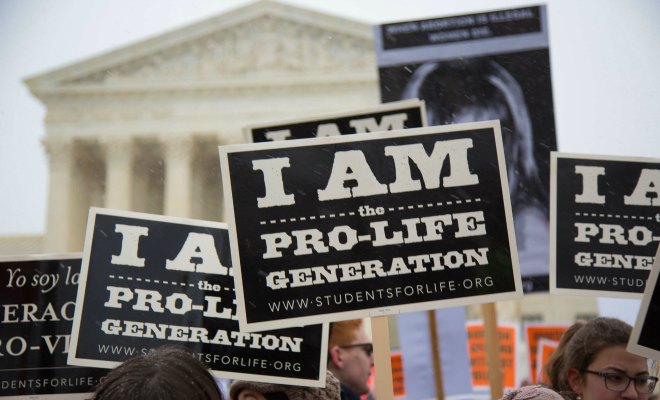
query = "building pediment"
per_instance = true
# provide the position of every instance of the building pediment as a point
(265, 40)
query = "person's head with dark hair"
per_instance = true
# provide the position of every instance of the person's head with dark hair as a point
(470, 90)
(591, 362)
(166, 373)
(246, 390)
(350, 356)
(553, 369)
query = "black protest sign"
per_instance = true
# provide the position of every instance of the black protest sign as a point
(372, 224)
(489, 65)
(386, 117)
(605, 224)
(37, 304)
(644, 339)
(149, 280)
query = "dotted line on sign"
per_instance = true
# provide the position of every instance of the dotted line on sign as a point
(620, 216)
(431, 205)
(130, 278)
(353, 213)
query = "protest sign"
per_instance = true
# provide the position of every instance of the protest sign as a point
(489, 65)
(534, 333)
(37, 302)
(385, 117)
(508, 339)
(644, 339)
(392, 116)
(604, 226)
(544, 350)
(416, 347)
(370, 224)
(398, 377)
(150, 280)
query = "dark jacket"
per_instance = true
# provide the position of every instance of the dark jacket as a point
(348, 394)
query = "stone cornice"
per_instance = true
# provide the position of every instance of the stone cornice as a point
(223, 85)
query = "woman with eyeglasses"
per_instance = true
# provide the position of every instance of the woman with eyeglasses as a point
(350, 357)
(591, 363)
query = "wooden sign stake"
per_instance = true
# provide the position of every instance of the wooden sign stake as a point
(380, 334)
(435, 355)
(493, 361)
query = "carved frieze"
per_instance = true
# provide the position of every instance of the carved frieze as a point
(265, 46)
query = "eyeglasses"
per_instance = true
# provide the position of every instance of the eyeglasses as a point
(618, 382)
(367, 347)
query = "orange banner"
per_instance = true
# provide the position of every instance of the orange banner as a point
(545, 349)
(398, 381)
(477, 351)
(534, 333)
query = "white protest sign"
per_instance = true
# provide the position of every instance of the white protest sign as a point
(605, 214)
(150, 280)
(385, 117)
(369, 224)
(37, 303)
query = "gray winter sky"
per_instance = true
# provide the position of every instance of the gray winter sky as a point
(605, 57)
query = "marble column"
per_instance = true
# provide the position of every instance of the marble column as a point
(178, 154)
(61, 198)
(119, 172)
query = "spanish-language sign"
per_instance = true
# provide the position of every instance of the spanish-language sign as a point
(386, 117)
(37, 302)
(605, 224)
(644, 339)
(534, 333)
(149, 280)
(369, 224)
(508, 339)
(474, 67)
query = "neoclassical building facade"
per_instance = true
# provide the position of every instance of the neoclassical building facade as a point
(138, 128)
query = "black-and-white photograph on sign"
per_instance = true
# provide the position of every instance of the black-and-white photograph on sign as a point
(150, 280)
(605, 225)
(37, 304)
(489, 65)
(369, 224)
(644, 339)
(385, 117)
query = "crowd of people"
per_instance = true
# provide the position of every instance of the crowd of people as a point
(590, 363)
